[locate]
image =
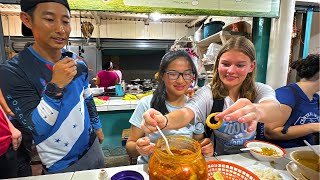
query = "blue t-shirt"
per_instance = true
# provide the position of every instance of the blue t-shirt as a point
(306, 112)
(61, 127)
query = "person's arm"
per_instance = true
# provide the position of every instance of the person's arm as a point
(273, 130)
(93, 113)
(4, 105)
(174, 120)
(265, 108)
(137, 144)
(117, 80)
(97, 81)
(200, 106)
(36, 113)
(16, 136)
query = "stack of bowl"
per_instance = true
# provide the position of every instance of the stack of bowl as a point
(308, 163)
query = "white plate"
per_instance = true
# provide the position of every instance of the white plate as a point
(292, 168)
(259, 166)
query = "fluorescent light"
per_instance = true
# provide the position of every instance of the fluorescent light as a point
(155, 16)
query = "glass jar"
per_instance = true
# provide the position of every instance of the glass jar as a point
(186, 163)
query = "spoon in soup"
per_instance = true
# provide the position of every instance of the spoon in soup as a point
(165, 140)
(257, 149)
(312, 148)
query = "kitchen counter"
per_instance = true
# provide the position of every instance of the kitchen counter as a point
(116, 103)
(114, 116)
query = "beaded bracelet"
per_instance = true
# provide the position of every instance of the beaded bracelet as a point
(166, 122)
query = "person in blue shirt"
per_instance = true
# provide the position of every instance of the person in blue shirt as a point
(299, 107)
(47, 89)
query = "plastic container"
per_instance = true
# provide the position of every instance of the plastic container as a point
(186, 163)
(119, 90)
(229, 171)
(212, 28)
(127, 175)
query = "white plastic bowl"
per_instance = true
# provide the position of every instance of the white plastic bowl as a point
(256, 143)
(96, 91)
(306, 171)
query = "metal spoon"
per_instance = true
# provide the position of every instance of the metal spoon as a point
(258, 149)
(165, 139)
(312, 148)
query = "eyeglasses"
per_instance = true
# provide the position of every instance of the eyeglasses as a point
(174, 75)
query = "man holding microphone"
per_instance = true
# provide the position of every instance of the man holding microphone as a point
(47, 89)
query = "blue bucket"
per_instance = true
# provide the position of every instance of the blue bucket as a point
(212, 28)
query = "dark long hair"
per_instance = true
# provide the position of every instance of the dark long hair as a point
(307, 68)
(245, 46)
(158, 101)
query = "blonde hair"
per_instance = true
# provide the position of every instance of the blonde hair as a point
(245, 46)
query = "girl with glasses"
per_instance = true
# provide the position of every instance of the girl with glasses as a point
(176, 73)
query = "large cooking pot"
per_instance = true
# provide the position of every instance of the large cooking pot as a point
(212, 28)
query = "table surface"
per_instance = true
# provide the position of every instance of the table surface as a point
(242, 159)
(60, 176)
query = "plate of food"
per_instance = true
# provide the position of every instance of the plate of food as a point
(267, 173)
(269, 152)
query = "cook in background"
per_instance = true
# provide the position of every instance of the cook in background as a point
(107, 77)
(47, 90)
(245, 101)
(10, 139)
(176, 73)
(299, 107)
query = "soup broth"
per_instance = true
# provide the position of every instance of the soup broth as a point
(310, 163)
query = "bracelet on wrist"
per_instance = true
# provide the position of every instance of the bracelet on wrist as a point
(166, 122)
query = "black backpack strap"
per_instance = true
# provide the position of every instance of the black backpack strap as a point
(297, 102)
(217, 107)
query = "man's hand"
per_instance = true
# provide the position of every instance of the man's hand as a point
(16, 138)
(152, 118)
(144, 147)
(100, 135)
(64, 71)
(206, 147)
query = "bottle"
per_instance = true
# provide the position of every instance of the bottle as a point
(103, 175)
(186, 163)
(123, 84)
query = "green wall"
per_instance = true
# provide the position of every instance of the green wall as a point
(118, 5)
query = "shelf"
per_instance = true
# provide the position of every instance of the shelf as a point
(222, 36)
